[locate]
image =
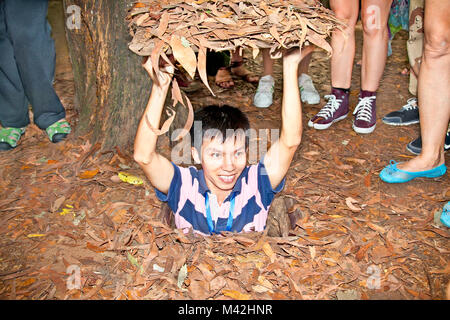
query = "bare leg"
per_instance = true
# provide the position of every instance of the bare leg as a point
(263, 97)
(267, 63)
(375, 14)
(433, 93)
(343, 48)
(303, 67)
(239, 69)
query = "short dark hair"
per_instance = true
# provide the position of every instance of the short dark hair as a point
(220, 119)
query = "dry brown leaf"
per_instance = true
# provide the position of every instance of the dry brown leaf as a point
(363, 250)
(380, 252)
(206, 271)
(201, 66)
(163, 23)
(184, 54)
(349, 201)
(235, 294)
(57, 204)
(88, 174)
(166, 125)
(217, 284)
(312, 252)
(94, 248)
(189, 121)
(367, 180)
(268, 251)
(139, 5)
(376, 227)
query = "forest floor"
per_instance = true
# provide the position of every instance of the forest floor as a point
(70, 229)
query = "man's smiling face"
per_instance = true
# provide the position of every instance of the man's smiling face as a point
(223, 163)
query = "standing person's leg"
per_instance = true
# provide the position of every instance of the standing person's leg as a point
(264, 93)
(303, 67)
(267, 62)
(434, 99)
(343, 45)
(433, 90)
(374, 16)
(34, 53)
(414, 45)
(409, 113)
(308, 93)
(13, 102)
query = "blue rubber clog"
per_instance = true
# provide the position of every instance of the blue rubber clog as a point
(445, 216)
(392, 174)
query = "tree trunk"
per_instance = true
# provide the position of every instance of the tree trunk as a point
(111, 86)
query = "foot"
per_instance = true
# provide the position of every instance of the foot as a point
(58, 131)
(422, 163)
(365, 118)
(335, 110)
(408, 114)
(415, 146)
(264, 94)
(238, 69)
(398, 172)
(308, 93)
(9, 137)
(223, 78)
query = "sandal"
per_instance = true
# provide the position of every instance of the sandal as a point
(223, 78)
(58, 131)
(241, 71)
(9, 137)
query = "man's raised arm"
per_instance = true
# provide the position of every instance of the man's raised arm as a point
(157, 168)
(279, 156)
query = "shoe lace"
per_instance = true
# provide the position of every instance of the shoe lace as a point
(332, 105)
(411, 103)
(363, 110)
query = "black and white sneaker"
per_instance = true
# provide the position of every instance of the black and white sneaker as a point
(415, 146)
(408, 114)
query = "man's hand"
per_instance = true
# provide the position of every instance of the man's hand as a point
(293, 56)
(163, 75)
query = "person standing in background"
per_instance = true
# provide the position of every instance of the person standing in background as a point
(27, 68)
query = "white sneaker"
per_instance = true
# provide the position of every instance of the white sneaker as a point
(308, 93)
(264, 94)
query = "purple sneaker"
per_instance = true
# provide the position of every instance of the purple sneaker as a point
(365, 113)
(335, 110)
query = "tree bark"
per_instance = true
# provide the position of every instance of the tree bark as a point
(111, 86)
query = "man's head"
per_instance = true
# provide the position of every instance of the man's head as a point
(224, 143)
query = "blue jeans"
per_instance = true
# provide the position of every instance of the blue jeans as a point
(27, 65)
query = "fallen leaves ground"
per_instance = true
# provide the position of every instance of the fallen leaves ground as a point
(63, 210)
